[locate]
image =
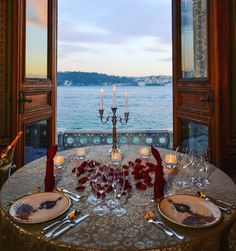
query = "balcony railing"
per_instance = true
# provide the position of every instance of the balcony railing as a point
(70, 139)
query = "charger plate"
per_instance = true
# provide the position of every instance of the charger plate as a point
(39, 207)
(189, 211)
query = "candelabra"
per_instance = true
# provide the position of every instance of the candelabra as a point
(114, 118)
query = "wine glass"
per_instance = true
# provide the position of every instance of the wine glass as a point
(101, 183)
(118, 186)
(183, 161)
(91, 170)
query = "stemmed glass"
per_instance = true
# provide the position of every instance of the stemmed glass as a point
(183, 161)
(118, 185)
(91, 170)
(101, 183)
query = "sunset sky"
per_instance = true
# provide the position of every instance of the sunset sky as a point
(118, 37)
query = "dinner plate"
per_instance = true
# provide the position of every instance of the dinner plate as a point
(189, 211)
(39, 207)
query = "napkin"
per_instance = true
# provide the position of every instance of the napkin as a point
(49, 180)
(159, 183)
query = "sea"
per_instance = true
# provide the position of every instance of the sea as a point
(150, 107)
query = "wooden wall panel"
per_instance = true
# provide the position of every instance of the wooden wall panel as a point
(4, 85)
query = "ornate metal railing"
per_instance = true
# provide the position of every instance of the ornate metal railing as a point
(71, 139)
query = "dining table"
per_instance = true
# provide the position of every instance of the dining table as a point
(109, 232)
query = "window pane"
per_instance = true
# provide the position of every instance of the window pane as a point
(36, 140)
(194, 135)
(36, 38)
(194, 38)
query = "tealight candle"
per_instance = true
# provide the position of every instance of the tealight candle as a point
(80, 153)
(115, 157)
(58, 161)
(144, 152)
(170, 160)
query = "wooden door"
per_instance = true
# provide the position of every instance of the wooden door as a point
(196, 83)
(34, 80)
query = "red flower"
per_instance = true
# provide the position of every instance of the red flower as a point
(101, 195)
(82, 180)
(141, 186)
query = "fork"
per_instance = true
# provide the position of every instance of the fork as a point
(73, 215)
(179, 236)
(169, 233)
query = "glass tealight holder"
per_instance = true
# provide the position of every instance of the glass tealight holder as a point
(115, 157)
(144, 152)
(80, 153)
(170, 161)
(58, 161)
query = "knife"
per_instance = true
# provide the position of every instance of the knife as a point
(220, 204)
(72, 224)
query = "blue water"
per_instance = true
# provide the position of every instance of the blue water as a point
(149, 107)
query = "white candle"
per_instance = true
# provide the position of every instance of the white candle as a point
(115, 157)
(58, 160)
(101, 97)
(114, 96)
(80, 153)
(144, 152)
(170, 160)
(126, 101)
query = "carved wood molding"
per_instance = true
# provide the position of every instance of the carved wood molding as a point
(3, 66)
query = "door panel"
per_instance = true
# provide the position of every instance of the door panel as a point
(35, 76)
(193, 88)
(37, 140)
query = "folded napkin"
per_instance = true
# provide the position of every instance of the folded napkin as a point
(49, 180)
(159, 183)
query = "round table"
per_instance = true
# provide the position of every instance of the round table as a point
(109, 232)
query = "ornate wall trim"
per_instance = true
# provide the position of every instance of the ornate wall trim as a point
(3, 67)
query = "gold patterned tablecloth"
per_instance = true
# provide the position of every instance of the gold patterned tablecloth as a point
(130, 232)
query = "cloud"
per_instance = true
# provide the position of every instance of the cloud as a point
(66, 49)
(119, 21)
(37, 13)
(169, 59)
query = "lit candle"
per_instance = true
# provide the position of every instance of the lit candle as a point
(144, 152)
(170, 160)
(114, 96)
(58, 161)
(101, 96)
(115, 157)
(126, 101)
(80, 153)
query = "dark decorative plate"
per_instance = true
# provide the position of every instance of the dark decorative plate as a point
(189, 211)
(39, 207)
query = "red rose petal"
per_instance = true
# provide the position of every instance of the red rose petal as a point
(82, 180)
(101, 195)
(80, 188)
(125, 167)
(141, 186)
(130, 163)
(138, 161)
(126, 173)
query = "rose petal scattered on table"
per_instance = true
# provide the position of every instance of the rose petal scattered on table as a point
(141, 186)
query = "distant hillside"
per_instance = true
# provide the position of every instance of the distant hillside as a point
(77, 78)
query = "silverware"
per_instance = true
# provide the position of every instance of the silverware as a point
(72, 224)
(179, 236)
(69, 216)
(59, 189)
(169, 233)
(223, 206)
